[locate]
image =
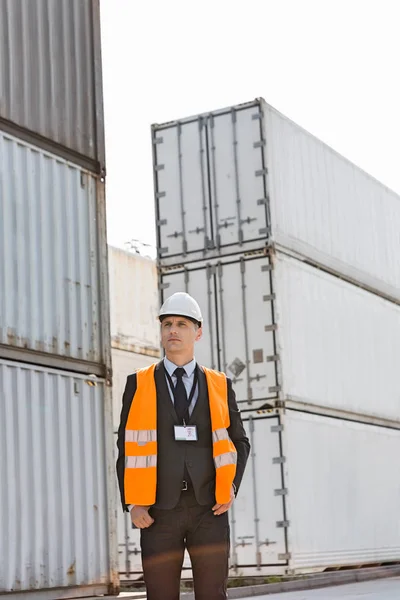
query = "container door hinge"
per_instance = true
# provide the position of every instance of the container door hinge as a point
(276, 428)
(283, 524)
(286, 556)
(274, 389)
(273, 358)
(175, 235)
(281, 492)
(279, 460)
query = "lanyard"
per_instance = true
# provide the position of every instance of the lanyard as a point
(192, 391)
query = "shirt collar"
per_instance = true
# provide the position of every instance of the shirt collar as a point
(189, 368)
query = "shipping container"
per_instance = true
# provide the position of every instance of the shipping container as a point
(246, 177)
(53, 269)
(287, 332)
(312, 495)
(133, 302)
(50, 77)
(57, 500)
(311, 499)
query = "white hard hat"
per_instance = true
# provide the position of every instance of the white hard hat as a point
(181, 304)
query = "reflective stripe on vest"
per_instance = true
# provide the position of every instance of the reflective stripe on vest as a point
(141, 439)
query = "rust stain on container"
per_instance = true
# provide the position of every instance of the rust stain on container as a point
(71, 570)
(119, 344)
(39, 345)
(12, 336)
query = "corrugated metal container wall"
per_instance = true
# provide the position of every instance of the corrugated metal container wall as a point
(336, 478)
(54, 466)
(133, 302)
(339, 344)
(50, 72)
(51, 255)
(237, 179)
(343, 493)
(329, 210)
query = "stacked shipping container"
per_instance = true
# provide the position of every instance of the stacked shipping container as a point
(291, 252)
(57, 504)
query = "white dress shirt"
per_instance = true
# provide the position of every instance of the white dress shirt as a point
(187, 379)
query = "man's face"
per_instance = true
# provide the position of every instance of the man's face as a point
(178, 335)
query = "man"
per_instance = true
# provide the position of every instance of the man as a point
(182, 453)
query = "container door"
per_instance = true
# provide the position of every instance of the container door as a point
(199, 283)
(247, 329)
(181, 189)
(258, 513)
(238, 176)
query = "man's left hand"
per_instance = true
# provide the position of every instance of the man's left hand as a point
(219, 509)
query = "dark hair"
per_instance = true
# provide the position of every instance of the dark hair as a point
(184, 316)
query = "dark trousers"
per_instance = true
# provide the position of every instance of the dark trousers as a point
(206, 538)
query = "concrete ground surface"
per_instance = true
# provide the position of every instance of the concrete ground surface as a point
(383, 589)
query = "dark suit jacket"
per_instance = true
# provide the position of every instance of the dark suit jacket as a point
(236, 430)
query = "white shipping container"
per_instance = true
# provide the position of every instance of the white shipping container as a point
(318, 502)
(53, 295)
(339, 344)
(285, 331)
(241, 178)
(312, 498)
(235, 297)
(57, 502)
(134, 302)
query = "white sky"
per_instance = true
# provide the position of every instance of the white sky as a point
(332, 66)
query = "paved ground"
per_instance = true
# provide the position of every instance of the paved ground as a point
(383, 589)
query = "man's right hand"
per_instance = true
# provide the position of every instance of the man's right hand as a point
(140, 517)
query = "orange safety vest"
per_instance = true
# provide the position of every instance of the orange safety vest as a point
(140, 478)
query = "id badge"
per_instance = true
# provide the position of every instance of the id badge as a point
(185, 434)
